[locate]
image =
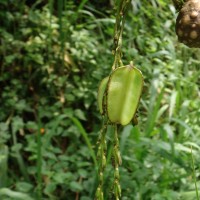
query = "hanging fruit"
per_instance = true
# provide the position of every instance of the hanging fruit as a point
(119, 94)
(101, 95)
(123, 94)
(188, 24)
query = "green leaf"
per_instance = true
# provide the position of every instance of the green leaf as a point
(24, 187)
(75, 186)
(14, 195)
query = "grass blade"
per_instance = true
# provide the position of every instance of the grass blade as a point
(194, 175)
(85, 136)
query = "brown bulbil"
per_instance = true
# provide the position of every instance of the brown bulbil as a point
(194, 14)
(180, 32)
(188, 24)
(193, 35)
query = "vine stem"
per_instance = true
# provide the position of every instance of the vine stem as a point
(101, 156)
(178, 4)
(119, 26)
(117, 161)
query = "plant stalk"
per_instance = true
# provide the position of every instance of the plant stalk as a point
(178, 4)
(119, 27)
(117, 161)
(101, 156)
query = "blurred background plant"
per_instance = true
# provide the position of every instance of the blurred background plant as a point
(53, 56)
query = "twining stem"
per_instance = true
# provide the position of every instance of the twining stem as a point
(119, 26)
(178, 4)
(116, 163)
(101, 156)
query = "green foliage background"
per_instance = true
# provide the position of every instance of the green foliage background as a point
(53, 56)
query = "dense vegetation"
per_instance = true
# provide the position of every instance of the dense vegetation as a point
(53, 56)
